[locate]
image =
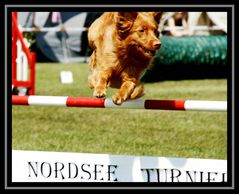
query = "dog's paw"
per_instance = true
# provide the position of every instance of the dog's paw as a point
(118, 100)
(99, 93)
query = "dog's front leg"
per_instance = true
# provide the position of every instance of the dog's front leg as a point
(101, 84)
(124, 92)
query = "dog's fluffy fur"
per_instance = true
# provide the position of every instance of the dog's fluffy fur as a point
(123, 44)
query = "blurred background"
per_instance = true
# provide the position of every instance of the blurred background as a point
(194, 44)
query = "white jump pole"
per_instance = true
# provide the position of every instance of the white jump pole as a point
(90, 102)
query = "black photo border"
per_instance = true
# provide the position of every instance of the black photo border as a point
(8, 8)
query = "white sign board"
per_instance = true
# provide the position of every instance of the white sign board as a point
(41, 166)
(66, 77)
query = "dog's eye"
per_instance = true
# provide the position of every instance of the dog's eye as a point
(141, 30)
(156, 32)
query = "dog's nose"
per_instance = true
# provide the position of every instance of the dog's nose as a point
(157, 45)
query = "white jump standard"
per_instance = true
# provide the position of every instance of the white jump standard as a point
(90, 102)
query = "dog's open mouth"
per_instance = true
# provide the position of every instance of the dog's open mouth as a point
(150, 52)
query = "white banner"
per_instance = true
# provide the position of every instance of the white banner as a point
(41, 166)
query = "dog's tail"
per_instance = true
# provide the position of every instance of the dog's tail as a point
(138, 92)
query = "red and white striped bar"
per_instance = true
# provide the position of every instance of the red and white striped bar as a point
(186, 105)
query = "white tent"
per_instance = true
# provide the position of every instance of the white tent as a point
(203, 23)
(218, 19)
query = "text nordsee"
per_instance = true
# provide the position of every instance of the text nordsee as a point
(103, 172)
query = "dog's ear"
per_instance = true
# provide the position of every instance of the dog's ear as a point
(131, 16)
(157, 16)
(125, 21)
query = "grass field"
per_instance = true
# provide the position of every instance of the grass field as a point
(114, 131)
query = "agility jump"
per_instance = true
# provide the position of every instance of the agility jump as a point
(23, 60)
(89, 102)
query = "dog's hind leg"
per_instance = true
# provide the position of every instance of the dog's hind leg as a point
(91, 77)
(92, 80)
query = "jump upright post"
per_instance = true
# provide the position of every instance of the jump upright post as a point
(23, 60)
(90, 102)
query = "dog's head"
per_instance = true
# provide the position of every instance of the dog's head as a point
(140, 30)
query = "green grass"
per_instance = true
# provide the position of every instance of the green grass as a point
(116, 131)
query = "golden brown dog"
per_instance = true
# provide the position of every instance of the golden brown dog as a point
(123, 44)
